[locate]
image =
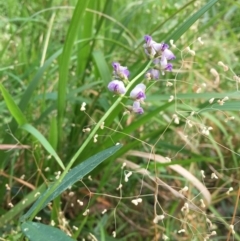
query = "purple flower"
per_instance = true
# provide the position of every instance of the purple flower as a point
(168, 54)
(168, 67)
(152, 74)
(148, 39)
(117, 87)
(138, 93)
(120, 71)
(151, 47)
(154, 49)
(137, 108)
(162, 64)
(164, 46)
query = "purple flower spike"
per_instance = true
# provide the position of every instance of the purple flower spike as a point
(120, 71)
(138, 93)
(152, 74)
(137, 108)
(156, 50)
(117, 87)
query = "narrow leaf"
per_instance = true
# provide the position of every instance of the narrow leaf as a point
(53, 133)
(12, 107)
(84, 49)
(39, 232)
(194, 96)
(65, 60)
(14, 212)
(187, 24)
(228, 106)
(34, 132)
(74, 175)
(102, 66)
(24, 103)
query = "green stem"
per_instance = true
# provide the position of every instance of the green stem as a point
(93, 132)
(90, 137)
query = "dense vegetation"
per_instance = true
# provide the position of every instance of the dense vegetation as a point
(101, 169)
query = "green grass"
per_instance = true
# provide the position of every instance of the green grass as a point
(55, 55)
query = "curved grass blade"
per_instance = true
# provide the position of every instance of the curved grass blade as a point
(187, 24)
(114, 21)
(12, 106)
(39, 232)
(74, 175)
(25, 100)
(34, 132)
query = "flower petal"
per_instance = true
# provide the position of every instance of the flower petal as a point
(138, 92)
(168, 54)
(137, 108)
(120, 71)
(117, 87)
(152, 74)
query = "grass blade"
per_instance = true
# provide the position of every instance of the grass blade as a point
(65, 61)
(38, 232)
(34, 83)
(53, 133)
(71, 177)
(34, 132)
(102, 66)
(12, 106)
(186, 25)
(18, 209)
(25, 100)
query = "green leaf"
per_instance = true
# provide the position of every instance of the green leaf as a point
(53, 133)
(65, 60)
(102, 66)
(187, 24)
(194, 96)
(34, 132)
(12, 106)
(136, 124)
(228, 106)
(39, 232)
(25, 101)
(74, 175)
(87, 30)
